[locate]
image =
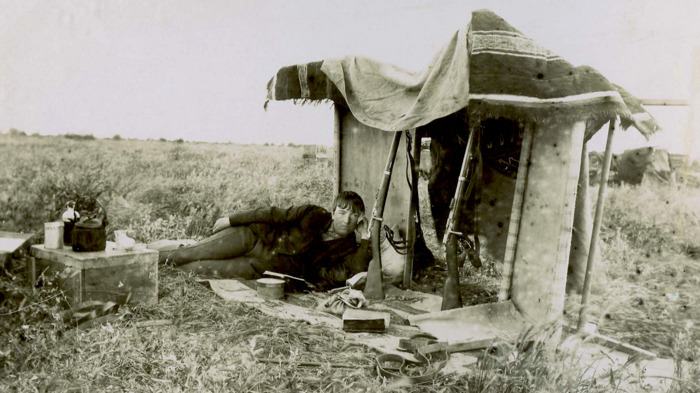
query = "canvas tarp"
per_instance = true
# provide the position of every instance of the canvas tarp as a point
(389, 98)
(488, 67)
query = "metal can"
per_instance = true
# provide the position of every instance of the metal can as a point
(53, 235)
(270, 288)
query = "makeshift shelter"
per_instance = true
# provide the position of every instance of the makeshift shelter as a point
(517, 118)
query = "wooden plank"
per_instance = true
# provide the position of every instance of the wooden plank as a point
(592, 337)
(12, 241)
(664, 102)
(620, 346)
(97, 259)
(464, 346)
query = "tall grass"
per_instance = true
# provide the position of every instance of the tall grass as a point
(146, 186)
(651, 277)
(648, 280)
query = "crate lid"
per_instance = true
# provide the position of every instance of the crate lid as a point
(12, 241)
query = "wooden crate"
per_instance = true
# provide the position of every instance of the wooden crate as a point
(10, 243)
(109, 275)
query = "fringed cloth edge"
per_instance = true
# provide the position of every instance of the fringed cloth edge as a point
(594, 114)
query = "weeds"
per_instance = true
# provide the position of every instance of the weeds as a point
(649, 280)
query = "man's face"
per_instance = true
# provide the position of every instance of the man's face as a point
(345, 221)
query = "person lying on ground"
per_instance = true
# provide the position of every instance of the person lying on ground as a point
(304, 241)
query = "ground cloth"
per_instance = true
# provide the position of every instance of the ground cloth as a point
(594, 360)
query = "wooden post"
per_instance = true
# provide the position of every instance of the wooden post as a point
(337, 118)
(600, 204)
(373, 287)
(452, 297)
(412, 211)
(693, 144)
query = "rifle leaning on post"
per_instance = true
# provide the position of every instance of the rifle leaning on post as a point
(373, 286)
(452, 297)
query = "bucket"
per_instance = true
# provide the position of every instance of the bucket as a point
(53, 235)
(270, 288)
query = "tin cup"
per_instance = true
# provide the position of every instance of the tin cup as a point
(53, 235)
(270, 288)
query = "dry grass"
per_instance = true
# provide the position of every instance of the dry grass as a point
(649, 280)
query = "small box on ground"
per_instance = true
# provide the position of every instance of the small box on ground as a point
(109, 275)
(357, 320)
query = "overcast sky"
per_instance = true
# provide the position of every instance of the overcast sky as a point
(197, 70)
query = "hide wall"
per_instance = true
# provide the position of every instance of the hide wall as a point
(537, 285)
(361, 155)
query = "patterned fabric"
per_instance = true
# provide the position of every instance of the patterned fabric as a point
(303, 82)
(512, 76)
(488, 67)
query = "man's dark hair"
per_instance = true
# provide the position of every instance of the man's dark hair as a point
(349, 199)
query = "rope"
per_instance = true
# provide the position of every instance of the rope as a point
(400, 246)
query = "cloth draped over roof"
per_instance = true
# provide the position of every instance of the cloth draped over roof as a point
(488, 67)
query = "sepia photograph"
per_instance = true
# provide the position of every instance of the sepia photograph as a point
(350, 196)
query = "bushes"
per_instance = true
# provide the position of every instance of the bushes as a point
(654, 218)
(80, 137)
(648, 235)
(42, 186)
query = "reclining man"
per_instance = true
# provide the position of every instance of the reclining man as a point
(303, 241)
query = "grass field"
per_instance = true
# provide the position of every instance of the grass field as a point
(648, 279)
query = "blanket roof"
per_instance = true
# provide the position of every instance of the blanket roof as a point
(488, 67)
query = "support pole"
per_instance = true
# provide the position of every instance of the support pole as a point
(452, 297)
(600, 204)
(337, 136)
(412, 210)
(373, 286)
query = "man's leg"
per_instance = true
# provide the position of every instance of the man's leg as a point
(241, 267)
(226, 244)
(248, 267)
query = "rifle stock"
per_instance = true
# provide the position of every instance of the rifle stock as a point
(373, 286)
(452, 297)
